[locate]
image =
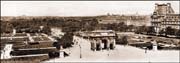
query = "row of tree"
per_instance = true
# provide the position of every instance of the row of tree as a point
(145, 30)
(170, 31)
(150, 30)
(73, 24)
(67, 25)
(122, 27)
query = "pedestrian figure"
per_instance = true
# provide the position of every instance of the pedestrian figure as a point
(146, 50)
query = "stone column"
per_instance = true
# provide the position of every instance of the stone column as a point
(100, 44)
(114, 43)
(108, 44)
(94, 45)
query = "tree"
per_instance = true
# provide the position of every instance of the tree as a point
(178, 33)
(67, 40)
(122, 40)
(89, 25)
(122, 27)
(170, 31)
(131, 27)
(141, 29)
(161, 32)
(46, 30)
(150, 30)
(6, 27)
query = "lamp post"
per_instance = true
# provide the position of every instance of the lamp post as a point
(80, 51)
(80, 55)
(146, 52)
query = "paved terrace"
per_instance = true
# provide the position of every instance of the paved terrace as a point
(119, 54)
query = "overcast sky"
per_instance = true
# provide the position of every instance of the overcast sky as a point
(79, 8)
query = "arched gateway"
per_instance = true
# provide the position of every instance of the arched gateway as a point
(102, 39)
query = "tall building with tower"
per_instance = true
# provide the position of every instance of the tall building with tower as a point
(164, 16)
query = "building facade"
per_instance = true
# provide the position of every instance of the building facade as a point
(163, 17)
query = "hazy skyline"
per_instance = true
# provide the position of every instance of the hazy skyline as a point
(80, 8)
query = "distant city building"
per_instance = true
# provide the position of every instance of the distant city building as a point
(136, 20)
(164, 16)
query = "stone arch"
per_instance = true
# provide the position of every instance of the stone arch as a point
(111, 46)
(98, 46)
(112, 43)
(105, 43)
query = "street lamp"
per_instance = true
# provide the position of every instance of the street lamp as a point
(80, 47)
(80, 51)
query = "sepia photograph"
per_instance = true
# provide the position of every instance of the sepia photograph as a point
(90, 31)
